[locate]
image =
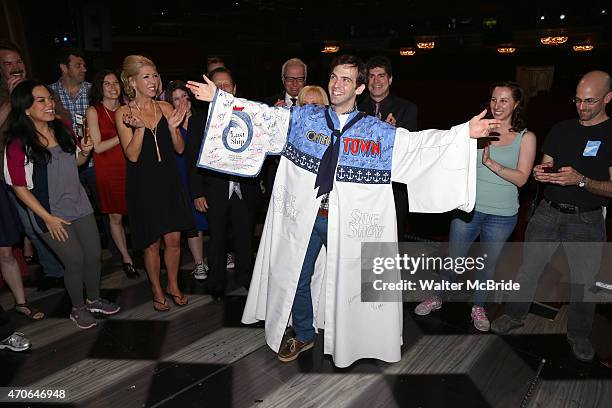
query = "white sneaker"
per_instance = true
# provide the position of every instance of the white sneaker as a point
(230, 261)
(479, 316)
(201, 271)
(428, 305)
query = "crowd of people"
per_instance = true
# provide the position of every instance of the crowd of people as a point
(150, 157)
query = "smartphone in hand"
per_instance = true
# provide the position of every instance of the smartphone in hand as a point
(81, 122)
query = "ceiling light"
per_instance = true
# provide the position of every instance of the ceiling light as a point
(330, 49)
(542, 18)
(426, 45)
(557, 40)
(407, 52)
(506, 50)
(583, 48)
(562, 17)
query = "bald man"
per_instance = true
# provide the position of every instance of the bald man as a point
(576, 172)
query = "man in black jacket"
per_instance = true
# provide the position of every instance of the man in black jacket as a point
(225, 199)
(293, 76)
(394, 110)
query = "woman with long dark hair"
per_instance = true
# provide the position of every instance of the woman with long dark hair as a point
(42, 159)
(104, 98)
(158, 205)
(177, 93)
(504, 166)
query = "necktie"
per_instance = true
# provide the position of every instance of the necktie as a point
(293, 101)
(377, 112)
(329, 161)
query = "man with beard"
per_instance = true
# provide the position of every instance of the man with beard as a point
(12, 72)
(577, 170)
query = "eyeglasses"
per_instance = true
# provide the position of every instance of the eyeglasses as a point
(294, 79)
(587, 101)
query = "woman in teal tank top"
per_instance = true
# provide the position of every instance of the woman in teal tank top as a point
(505, 164)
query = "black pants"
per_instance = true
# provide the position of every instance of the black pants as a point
(547, 229)
(239, 214)
(400, 196)
(6, 325)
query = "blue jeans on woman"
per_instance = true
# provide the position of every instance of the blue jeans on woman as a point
(301, 312)
(494, 231)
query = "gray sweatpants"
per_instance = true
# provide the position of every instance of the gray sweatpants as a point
(81, 257)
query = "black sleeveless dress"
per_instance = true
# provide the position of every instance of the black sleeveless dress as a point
(157, 201)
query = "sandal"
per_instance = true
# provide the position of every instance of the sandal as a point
(164, 305)
(179, 300)
(29, 311)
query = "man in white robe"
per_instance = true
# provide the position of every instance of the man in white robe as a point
(333, 189)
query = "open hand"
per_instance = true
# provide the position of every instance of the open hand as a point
(480, 127)
(55, 225)
(178, 115)
(203, 91)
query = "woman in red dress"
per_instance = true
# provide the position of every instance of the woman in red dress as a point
(109, 158)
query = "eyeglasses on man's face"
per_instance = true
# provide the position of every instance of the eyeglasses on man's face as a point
(294, 79)
(586, 101)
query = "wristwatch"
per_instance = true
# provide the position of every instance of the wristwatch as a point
(582, 182)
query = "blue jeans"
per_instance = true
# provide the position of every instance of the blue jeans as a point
(301, 311)
(494, 231)
(51, 266)
(547, 229)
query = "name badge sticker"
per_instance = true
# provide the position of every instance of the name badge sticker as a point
(591, 148)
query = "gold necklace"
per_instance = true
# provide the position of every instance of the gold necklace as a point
(152, 129)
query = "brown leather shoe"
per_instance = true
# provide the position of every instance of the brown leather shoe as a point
(291, 349)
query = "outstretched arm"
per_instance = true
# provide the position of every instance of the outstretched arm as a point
(239, 133)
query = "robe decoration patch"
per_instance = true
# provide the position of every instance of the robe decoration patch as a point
(237, 136)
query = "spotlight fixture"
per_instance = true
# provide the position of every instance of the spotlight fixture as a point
(583, 48)
(330, 49)
(429, 45)
(555, 40)
(542, 18)
(407, 52)
(562, 17)
(506, 50)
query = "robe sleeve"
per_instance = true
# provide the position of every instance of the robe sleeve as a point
(438, 167)
(240, 133)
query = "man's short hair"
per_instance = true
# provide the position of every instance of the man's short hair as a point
(63, 56)
(294, 61)
(380, 61)
(362, 72)
(220, 70)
